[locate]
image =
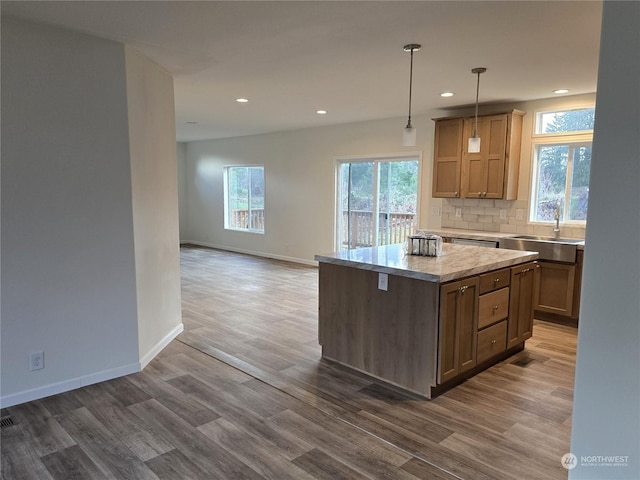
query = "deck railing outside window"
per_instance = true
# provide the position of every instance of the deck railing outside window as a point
(392, 228)
(240, 219)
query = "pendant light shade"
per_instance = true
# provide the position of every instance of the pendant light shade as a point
(409, 133)
(409, 136)
(474, 142)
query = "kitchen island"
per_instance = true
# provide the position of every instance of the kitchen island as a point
(424, 324)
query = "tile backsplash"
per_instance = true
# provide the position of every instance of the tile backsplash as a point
(482, 214)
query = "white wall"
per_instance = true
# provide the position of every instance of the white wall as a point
(606, 415)
(90, 271)
(154, 201)
(68, 277)
(300, 185)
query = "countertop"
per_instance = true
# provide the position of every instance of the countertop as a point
(456, 261)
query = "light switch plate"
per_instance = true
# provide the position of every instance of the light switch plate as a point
(503, 214)
(458, 212)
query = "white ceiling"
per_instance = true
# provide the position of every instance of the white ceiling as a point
(292, 58)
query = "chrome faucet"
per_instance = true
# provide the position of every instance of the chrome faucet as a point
(556, 215)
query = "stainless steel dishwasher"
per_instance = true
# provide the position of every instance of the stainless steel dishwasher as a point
(477, 243)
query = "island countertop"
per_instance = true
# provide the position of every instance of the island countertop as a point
(456, 261)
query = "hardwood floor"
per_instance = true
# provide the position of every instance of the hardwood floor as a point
(243, 394)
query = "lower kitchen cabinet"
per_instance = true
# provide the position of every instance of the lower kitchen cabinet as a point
(554, 292)
(458, 326)
(520, 321)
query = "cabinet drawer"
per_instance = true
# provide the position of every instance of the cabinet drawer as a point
(494, 280)
(492, 341)
(493, 307)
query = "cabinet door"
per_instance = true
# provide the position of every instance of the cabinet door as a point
(458, 325)
(447, 158)
(555, 287)
(447, 358)
(495, 156)
(521, 303)
(468, 324)
(474, 177)
(483, 173)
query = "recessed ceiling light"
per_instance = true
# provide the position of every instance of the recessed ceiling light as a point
(241, 100)
(321, 112)
(447, 94)
(561, 90)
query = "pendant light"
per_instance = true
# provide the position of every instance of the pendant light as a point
(474, 142)
(409, 133)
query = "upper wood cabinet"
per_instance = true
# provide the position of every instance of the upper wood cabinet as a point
(447, 158)
(491, 173)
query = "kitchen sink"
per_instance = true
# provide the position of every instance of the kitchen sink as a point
(572, 241)
(548, 248)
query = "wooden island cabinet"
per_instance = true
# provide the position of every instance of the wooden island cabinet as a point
(432, 321)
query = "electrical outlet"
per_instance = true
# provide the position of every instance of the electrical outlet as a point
(36, 361)
(458, 213)
(435, 211)
(503, 214)
(383, 281)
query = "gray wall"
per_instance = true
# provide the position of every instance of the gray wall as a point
(606, 416)
(68, 253)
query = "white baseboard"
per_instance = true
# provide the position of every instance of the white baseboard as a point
(151, 354)
(90, 379)
(302, 261)
(66, 385)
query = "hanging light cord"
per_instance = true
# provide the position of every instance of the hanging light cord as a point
(475, 128)
(477, 70)
(410, 87)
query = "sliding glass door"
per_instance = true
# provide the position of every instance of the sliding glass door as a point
(377, 201)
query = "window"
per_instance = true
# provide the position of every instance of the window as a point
(562, 165)
(244, 198)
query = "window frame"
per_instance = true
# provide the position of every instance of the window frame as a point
(226, 191)
(376, 159)
(537, 114)
(572, 142)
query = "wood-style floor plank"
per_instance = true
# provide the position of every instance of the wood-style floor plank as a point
(243, 393)
(72, 464)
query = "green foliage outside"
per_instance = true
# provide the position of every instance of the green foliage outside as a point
(241, 179)
(397, 186)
